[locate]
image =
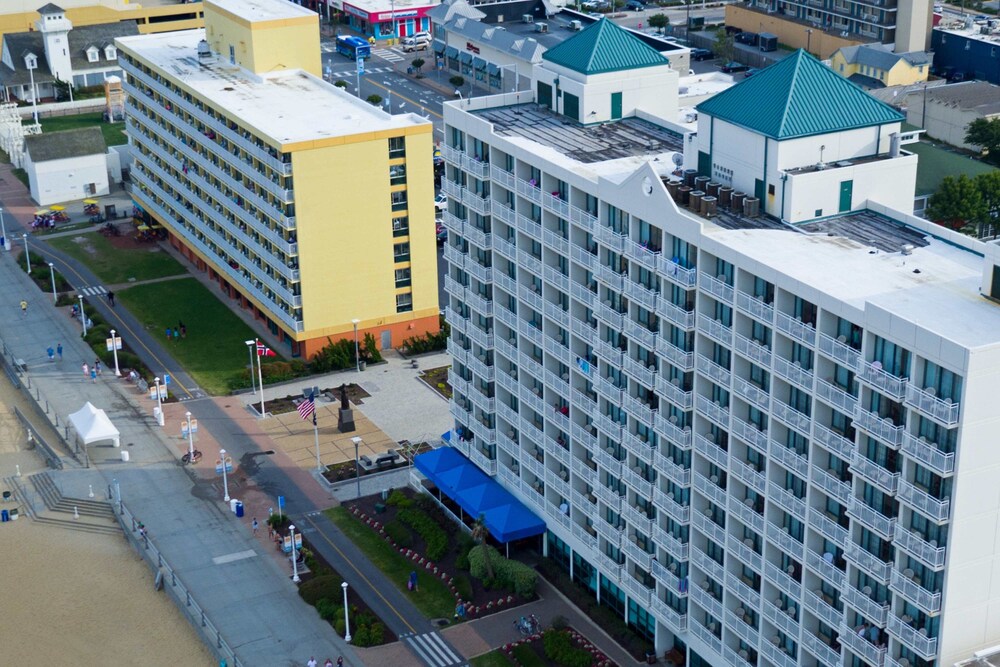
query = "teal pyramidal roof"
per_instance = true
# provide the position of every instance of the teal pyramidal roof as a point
(797, 97)
(604, 47)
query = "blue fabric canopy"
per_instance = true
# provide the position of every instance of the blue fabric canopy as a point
(477, 493)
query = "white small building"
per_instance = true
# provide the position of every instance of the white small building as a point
(946, 112)
(805, 142)
(68, 165)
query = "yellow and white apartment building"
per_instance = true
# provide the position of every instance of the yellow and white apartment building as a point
(310, 207)
(150, 15)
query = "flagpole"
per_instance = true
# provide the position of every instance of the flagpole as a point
(260, 381)
(319, 465)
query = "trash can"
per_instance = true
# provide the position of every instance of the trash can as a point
(14, 513)
(4, 516)
(232, 505)
(239, 509)
(125, 456)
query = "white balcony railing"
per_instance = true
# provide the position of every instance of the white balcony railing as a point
(926, 402)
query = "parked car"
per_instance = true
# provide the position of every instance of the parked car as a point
(635, 5)
(440, 233)
(733, 67)
(750, 72)
(441, 202)
(702, 54)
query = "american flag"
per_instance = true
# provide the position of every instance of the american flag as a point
(264, 350)
(308, 407)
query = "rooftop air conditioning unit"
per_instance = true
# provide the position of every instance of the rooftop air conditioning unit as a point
(541, 27)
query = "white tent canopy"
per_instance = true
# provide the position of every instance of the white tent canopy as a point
(93, 425)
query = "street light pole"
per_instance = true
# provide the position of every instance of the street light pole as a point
(357, 355)
(295, 564)
(251, 345)
(114, 351)
(225, 486)
(27, 256)
(159, 401)
(357, 463)
(809, 34)
(3, 233)
(83, 316)
(52, 271)
(191, 441)
(347, 620)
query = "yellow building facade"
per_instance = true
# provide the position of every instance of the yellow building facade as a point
(311, 208)
(20, 15)
(878, 64)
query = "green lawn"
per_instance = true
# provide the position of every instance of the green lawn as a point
(113, 265)
(935, 163)
(114, 133)
(213, 351)
(434, 599)
(491, 659)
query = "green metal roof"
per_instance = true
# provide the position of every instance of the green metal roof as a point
(604, 47)
(798, 97)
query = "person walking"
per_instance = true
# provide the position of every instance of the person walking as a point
(51, 353)
(111, 298)
(59, 351)
(184, 331)
(255, 526)
(177, 335)
(312, 662)
(24, 307)
(97, 366)
(170, 333)
(93, 375)
(86, 371)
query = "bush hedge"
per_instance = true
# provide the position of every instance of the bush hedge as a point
(429, 342)
(433, 535)
(511, 575)
(324, 592)
(399, 534)
(560, 649)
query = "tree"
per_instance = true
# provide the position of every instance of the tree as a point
(480, 533)
(985, 134)
(417, 63)
(957, 203)
(659, 21)
(457, 81)
(988, 185)
(374, 100)
(723, 46)
(341, 84)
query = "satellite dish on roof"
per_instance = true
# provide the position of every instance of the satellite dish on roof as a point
(677, 159)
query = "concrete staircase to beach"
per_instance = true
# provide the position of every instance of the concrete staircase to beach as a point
(42, 500)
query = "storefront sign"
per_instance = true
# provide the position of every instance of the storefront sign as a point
(469, 46)
(355, 11)
(387, 16)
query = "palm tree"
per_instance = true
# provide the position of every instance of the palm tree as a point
(480, 533)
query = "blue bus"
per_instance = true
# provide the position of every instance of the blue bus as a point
(353, 47)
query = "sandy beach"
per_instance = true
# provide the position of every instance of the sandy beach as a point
(74, 598)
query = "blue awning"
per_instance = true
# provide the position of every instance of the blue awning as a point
(465, 57)
(439, 46)
(477, 493)
(451, 52)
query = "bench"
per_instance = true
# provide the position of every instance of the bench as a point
(365, 461)
(387, 459)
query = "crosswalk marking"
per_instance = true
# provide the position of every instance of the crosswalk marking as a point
(93, 290)
(433, 650)
(386, 54)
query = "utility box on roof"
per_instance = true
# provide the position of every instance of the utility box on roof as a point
(768, 42)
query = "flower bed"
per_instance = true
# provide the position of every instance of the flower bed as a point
(556, 648)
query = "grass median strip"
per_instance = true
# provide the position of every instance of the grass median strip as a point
(491, 659)
(433, 599)
(118, 265)
(213, 350)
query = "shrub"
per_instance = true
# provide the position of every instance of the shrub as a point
(559, 648)
(374, 100)
(510, 575)
(327, 610)
(338, 624)
(433, 535)
(361, 637)
(464, 587)
(457, 81)
(429, 342)
(399, 499)
(319, 588)
(525, 656)
(399, 534)
(334, 356)
(462, 560)
(376, 634)
(369, 351)
(340, 83)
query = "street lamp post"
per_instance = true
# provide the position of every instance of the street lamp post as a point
(191, 441)
(347, 620)
(809, 34)
(52, 272)
(159, 402)
(251, 348)
(357, 463)
(83, 316)
(295, 564)
(114, 352)
(27, 256)
(225, 488)
(3, 233)
(388, 88)
(357, 355)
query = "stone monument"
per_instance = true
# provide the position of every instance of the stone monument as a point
(346, 422)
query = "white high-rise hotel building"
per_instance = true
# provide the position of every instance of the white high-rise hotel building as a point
(764, 440)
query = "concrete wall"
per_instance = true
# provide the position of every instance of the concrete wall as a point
(653, 89)
(943, 122)
(821, 44)
(56, 181)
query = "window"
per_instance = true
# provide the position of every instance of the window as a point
(402, 277)
(397, 147)
(401, 252)
(398, 201)
(397, 174)
(770, 189)
(110, 52)
(404, 303)
(92, 55)
(232, 54)
(401, 226)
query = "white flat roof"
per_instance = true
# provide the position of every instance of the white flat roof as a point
(289, 106)
(262, 10)
(380, 6)
(937, 287)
